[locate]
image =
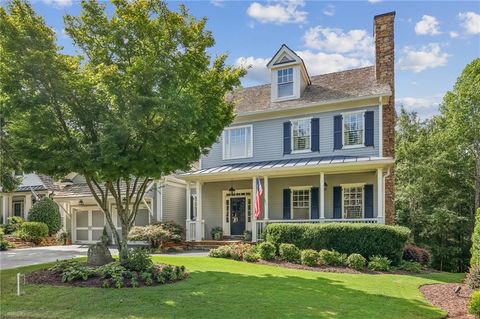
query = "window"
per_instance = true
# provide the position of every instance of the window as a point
(353, 129)
(301, 203)
(353, 202)
(194, 208)
(18, 208)
(301, 135)
(237, 142)
(285, 82)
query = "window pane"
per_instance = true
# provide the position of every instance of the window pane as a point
(353, 129)
(237, 142)
(353, 202)
(285, 89)
(301, 135)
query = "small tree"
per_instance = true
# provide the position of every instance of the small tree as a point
(46, 211)
(476, 241)
(141, 100)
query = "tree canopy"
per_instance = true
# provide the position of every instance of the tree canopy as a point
(142, 99)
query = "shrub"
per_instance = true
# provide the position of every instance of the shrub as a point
(379, 263)
(14, 223)
(138, 260)
(61, 265)
(247, 235)
(347, 238)
(233, 251)
(46, 211)
(251, 257)
(474, 304)
(111, 270)
(34, 232)
(155, 234)
(331, 258)
(473, 277)
(266, 251)
(309, 257)
(217, 233)
(289, 252)
(77, 272)
(410, 266)
(356, 261)
(475, 250)
(3, 243)
(220, 252)
(62, 237)
(417, 254)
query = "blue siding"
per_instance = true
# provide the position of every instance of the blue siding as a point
(268, 143)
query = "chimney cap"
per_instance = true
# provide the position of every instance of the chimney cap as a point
(385, 14)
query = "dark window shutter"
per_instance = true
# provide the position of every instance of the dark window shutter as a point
(192, 202)
(337, 202)
(337, 132)
(368, 201)
(369, 128)
(286, 204)
(315, 131)
(314, 202)
(287, 138)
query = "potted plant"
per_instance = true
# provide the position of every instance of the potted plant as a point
(63, 237)
(247, 235)
(217, 233)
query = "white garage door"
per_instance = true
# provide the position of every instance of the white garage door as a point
(89, 225)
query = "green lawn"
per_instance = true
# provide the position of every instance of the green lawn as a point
(219, 288)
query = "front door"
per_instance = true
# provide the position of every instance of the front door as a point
(237, 215)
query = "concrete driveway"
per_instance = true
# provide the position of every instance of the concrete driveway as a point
(14, 258)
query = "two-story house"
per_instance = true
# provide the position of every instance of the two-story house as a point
(321, 146)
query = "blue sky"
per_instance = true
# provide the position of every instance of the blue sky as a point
(434, 40)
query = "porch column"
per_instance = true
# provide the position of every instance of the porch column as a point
(380, 194)
(254, 220)
(187, 223)
(199, 223)
(158, 201)
(5, 205)
(28, 205)
(322, 195)
(265, 182)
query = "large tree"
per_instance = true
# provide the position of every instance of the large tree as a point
(142, 99)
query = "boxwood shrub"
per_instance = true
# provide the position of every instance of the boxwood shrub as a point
(365, 239)
(46, 211)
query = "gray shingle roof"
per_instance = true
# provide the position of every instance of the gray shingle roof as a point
(82, 190)
(329, 87)
(297, 162)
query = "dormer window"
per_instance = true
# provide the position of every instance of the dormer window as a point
(285, 82)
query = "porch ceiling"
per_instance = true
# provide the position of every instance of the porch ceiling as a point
(291, 167)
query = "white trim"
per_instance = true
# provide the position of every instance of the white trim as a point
(265, 192)
(380, 127)
(322, 195)
(246, 149)
(353, 185)
(343, 129)
(380, 187)
(225, 211)
(189, 202)
(307, 150)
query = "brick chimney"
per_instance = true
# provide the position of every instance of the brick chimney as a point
(385, 73)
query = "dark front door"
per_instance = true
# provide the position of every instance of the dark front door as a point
(237, 215)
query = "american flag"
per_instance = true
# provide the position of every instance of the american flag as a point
(258, 199)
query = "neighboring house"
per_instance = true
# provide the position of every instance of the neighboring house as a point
(81, 216)
(321, 146)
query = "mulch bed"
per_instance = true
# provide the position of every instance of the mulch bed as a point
(444, 296)
(336, 269)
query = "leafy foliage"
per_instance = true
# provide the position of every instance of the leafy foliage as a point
(473, 277)
(107, 112)
(156, 234)
(356, 261)
(266, 250)
(77, 272)
(475, 250)
(233, 251)
(309, 257)
(14, 223)
(410, 266)
(217, 233)
(289, 252)
(331, 258)
(3, 243)
(417, 254)
(343, 237)
(379, 263)
(34, 232)
(138, 260)
(46, 211)
(474, 304)
(251, 257)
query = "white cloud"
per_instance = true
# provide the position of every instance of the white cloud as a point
(218, 3)
(453, 34)
(426, 106)
(257, 69)
(58, 3)
(278, 12)
(428, 25)
(329, 10)
(354, 42)
(427, 57)
(470, 21)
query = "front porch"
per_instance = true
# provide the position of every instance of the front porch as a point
(346, 196)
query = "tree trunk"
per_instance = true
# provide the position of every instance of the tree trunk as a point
(123, 247)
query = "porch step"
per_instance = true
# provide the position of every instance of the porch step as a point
(210, 244)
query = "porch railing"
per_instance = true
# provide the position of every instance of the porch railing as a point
(260, 225)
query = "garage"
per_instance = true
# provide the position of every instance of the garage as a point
(88, 225)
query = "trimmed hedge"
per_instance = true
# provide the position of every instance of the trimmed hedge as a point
(46, 211)
(476, 241)
(365, 239)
